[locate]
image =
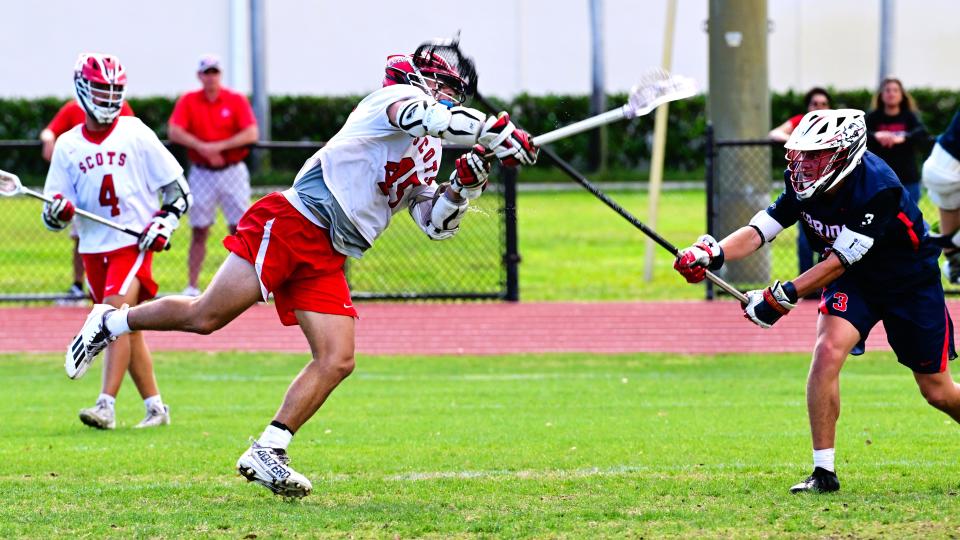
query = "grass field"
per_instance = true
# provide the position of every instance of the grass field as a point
(559, 446)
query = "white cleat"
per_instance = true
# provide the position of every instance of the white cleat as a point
(270, 467)
(87, 344)
(100, 416)
(156, 416)
(191, 291)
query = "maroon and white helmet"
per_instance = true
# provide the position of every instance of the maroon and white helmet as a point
(418, 70)
(100, 82)
(824, 148)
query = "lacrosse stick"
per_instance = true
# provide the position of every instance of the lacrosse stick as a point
(654, 89)
(663, 242)
(10, 186)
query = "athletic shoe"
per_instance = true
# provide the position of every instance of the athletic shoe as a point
(951, 267)
(191, 291)
(270, 467)
(87, 344)
(75, 296)
(156, 416)
(100, 416)
(821, 481)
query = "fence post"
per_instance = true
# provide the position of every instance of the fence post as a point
(511, 255)
(708, 166)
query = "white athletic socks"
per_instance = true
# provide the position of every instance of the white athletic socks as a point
(824, 459)
(153, 401)
(274, 437)
(117, 323)
(110, 400)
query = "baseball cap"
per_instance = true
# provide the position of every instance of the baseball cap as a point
(208, 61)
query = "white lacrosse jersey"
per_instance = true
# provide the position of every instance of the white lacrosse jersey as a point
(116, 176)
(373, 168)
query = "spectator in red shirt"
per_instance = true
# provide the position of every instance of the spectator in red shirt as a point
(216, 125)
(70, 115)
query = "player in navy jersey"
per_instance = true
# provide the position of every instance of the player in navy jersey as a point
(941, 176)
(880, 265)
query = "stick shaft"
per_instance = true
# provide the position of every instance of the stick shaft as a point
(579, 127)
(580, 179)
(82, 213)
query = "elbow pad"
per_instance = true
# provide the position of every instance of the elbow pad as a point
(177, 197)
(439, 217)
(766, 226)
(458, 125)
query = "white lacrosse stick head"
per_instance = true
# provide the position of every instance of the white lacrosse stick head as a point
(656, 88)
(9, 184)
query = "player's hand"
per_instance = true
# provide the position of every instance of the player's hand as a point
(527, 152)
(500, 135)
(767, 306)
(156, 237)
(211, 153)
(470, 173)
(57, 214)
(693, 262)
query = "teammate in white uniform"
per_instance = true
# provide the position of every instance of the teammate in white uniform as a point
(294, 244)
(115, 167)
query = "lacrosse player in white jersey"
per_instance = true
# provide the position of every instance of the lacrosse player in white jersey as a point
(294, 244)
(114, 166)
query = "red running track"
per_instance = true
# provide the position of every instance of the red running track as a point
(474, 328)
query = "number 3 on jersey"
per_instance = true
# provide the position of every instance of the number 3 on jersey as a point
(108, 195)
(394, 171)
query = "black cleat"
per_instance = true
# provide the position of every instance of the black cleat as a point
(821, 481)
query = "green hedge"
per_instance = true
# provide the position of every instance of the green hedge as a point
(312, 118)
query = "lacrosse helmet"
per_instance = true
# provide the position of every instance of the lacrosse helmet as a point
(423, 67)
(824, 148)
(100, 82)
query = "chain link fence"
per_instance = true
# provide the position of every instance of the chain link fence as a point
(743, 177)
(36, 264)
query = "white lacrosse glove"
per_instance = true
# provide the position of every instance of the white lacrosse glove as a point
(470, 173)
(767, 306)
(511, 145)
(156, 236)
(694, 261)
(57, 214)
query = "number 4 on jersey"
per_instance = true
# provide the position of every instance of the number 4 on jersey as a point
(394, 171)
(108, 195)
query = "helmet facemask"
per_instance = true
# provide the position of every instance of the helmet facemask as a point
(100, 84)
(823, 149)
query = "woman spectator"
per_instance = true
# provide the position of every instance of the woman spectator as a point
(894, 131)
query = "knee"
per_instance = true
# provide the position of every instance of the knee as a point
(937, 396)
(828, 357)
(340, 365)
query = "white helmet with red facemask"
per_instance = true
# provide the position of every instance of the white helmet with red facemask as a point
(425, 67)
(824, 148)
(100, 81)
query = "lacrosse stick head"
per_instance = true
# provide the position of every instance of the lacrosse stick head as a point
(9, 184)
(655, 88)
(443, 61)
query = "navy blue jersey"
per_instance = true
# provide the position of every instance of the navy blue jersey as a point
(870, 201)
(950, 140)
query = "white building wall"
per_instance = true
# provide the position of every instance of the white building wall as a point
(537, 46)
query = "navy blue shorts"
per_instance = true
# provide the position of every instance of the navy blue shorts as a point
(918, 325)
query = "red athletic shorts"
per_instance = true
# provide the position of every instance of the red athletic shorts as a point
(112, 272)
(293, 258)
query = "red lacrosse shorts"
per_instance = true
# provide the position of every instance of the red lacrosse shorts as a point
(293, 258)
(111, 273)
